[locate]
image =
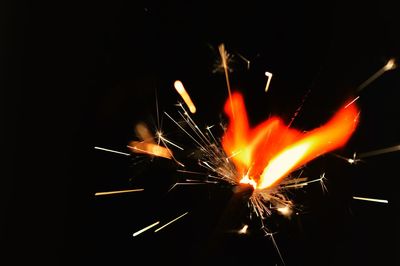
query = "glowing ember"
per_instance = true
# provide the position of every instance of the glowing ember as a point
(185, 96)
(269, 152)
(150, 149)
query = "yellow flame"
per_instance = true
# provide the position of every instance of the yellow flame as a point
(270, 151)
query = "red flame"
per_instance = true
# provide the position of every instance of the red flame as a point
(267, 153)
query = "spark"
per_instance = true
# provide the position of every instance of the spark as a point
(353, 160)
(275, 245)
(186, 184)
(170, 142)
(371, 199)
(321, 179)
(244, 229)
(170, 222)
(145, 229)
(190, 172)
(269, 75)
(187, 133)
(391, 64)
(185, 96)
(246, 60)
(358, 97)
(206, 181)
(380, 151)
(224, 59)
(118, 192)
(113, 151)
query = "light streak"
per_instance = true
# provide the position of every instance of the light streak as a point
(358, 97)
(275, 245)
(170, 222)
(371, 199)
(118, 192)
(246, 60)
(185, 96)
(353, 160)
(113, 151)
(379, 152)
(391, 64)
(145, 229)
(186, 184)
(170, 142)
(269, 75)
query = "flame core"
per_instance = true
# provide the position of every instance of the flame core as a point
(270, 151)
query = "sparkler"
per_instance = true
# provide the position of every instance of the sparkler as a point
(262, 157)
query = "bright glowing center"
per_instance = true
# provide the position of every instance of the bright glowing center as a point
(265, 154)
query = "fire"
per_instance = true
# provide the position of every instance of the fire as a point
(269, 152)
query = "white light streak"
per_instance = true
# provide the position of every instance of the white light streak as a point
(145, 229)
(113, 151)
(118, 192)
(391, 64)
(352, 102)
(380, 151)
(174, 220)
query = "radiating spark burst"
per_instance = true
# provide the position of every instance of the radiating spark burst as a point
(264, 156)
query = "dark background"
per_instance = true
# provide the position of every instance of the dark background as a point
(79, 75)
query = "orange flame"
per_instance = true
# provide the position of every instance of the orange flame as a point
(270, 151)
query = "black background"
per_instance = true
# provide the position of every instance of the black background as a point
(79, 75)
